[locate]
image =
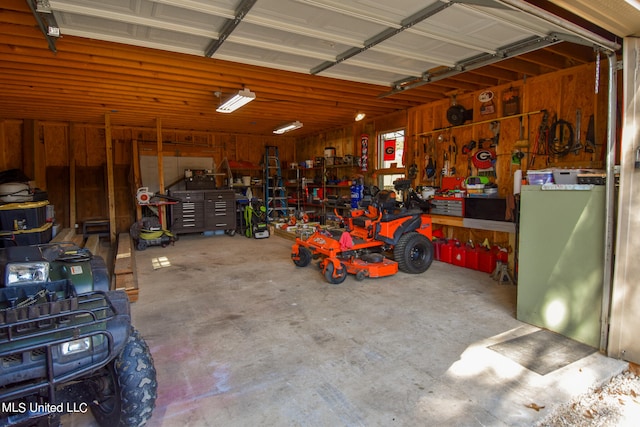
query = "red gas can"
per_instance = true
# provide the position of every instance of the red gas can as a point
(472, 258)
(446, 251)
(459, 255)
(486, 261)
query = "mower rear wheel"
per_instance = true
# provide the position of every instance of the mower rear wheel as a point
(304, 257)
(413, 253)
(341, 274)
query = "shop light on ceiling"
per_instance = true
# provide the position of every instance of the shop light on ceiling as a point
(360, 116)
(243, 97)
(288, 127)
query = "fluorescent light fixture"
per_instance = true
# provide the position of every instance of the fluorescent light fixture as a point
(634, 3)
(360, 116)
(288, 127)
(243, 97)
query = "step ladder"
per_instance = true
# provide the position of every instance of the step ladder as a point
(274, 191)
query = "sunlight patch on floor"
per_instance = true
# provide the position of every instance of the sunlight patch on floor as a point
(160, 262)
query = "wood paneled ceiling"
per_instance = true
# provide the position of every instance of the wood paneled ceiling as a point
(316, 61)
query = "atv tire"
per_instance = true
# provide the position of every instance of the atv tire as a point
(413, 253)
(126, 394)
(341, 273)
(304, 256)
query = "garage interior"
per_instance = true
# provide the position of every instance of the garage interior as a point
(110, 108)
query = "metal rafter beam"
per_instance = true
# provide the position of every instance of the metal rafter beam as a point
(229, 26)
(51, 41)
(386, 34)
(478, 61)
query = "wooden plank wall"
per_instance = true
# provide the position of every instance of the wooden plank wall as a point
(89, 160)
(561, 93)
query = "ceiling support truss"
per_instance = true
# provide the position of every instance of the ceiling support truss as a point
(231, 24)
(519, 48)
(386, 34)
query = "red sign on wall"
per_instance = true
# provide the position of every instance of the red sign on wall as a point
(389, 150)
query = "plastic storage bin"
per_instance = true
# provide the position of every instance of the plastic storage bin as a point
(565, 176)
(33, 236)
(540, 177)
(23, 216)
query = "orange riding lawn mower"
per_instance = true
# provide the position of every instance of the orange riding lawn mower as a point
(383, 227)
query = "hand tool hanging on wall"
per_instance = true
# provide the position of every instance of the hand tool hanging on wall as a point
(540, 144)
(454, 150)
(468, 148)
(561, 138)
(495, 129)
(445, 164)
(590, 138)
(577, 145)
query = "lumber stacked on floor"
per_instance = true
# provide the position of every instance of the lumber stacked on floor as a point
(124, 268)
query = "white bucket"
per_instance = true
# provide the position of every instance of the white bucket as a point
(246, 180)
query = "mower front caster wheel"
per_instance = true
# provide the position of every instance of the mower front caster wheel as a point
(340, 275)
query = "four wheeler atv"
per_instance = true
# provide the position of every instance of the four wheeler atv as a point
(66, 341)
(359, 249)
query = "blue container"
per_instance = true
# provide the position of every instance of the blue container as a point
(356, 195)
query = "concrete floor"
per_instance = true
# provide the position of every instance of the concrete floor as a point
(242, 337)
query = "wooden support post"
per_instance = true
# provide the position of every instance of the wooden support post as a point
(162, 211)
(28, 147)
(73, 220)
(3, 143)
(135, 163)
(110, 183)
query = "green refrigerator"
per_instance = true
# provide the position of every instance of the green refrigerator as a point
(561, 260)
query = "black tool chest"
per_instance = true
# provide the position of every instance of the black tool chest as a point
(203, 210)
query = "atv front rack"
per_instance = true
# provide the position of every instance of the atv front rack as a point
(36, 320)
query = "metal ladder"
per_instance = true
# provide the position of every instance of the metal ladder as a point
(274, 190)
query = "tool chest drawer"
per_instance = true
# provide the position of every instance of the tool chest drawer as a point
(220, 210)
(188, 196)
(447, 206)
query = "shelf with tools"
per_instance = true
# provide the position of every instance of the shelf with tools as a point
(321, 186)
